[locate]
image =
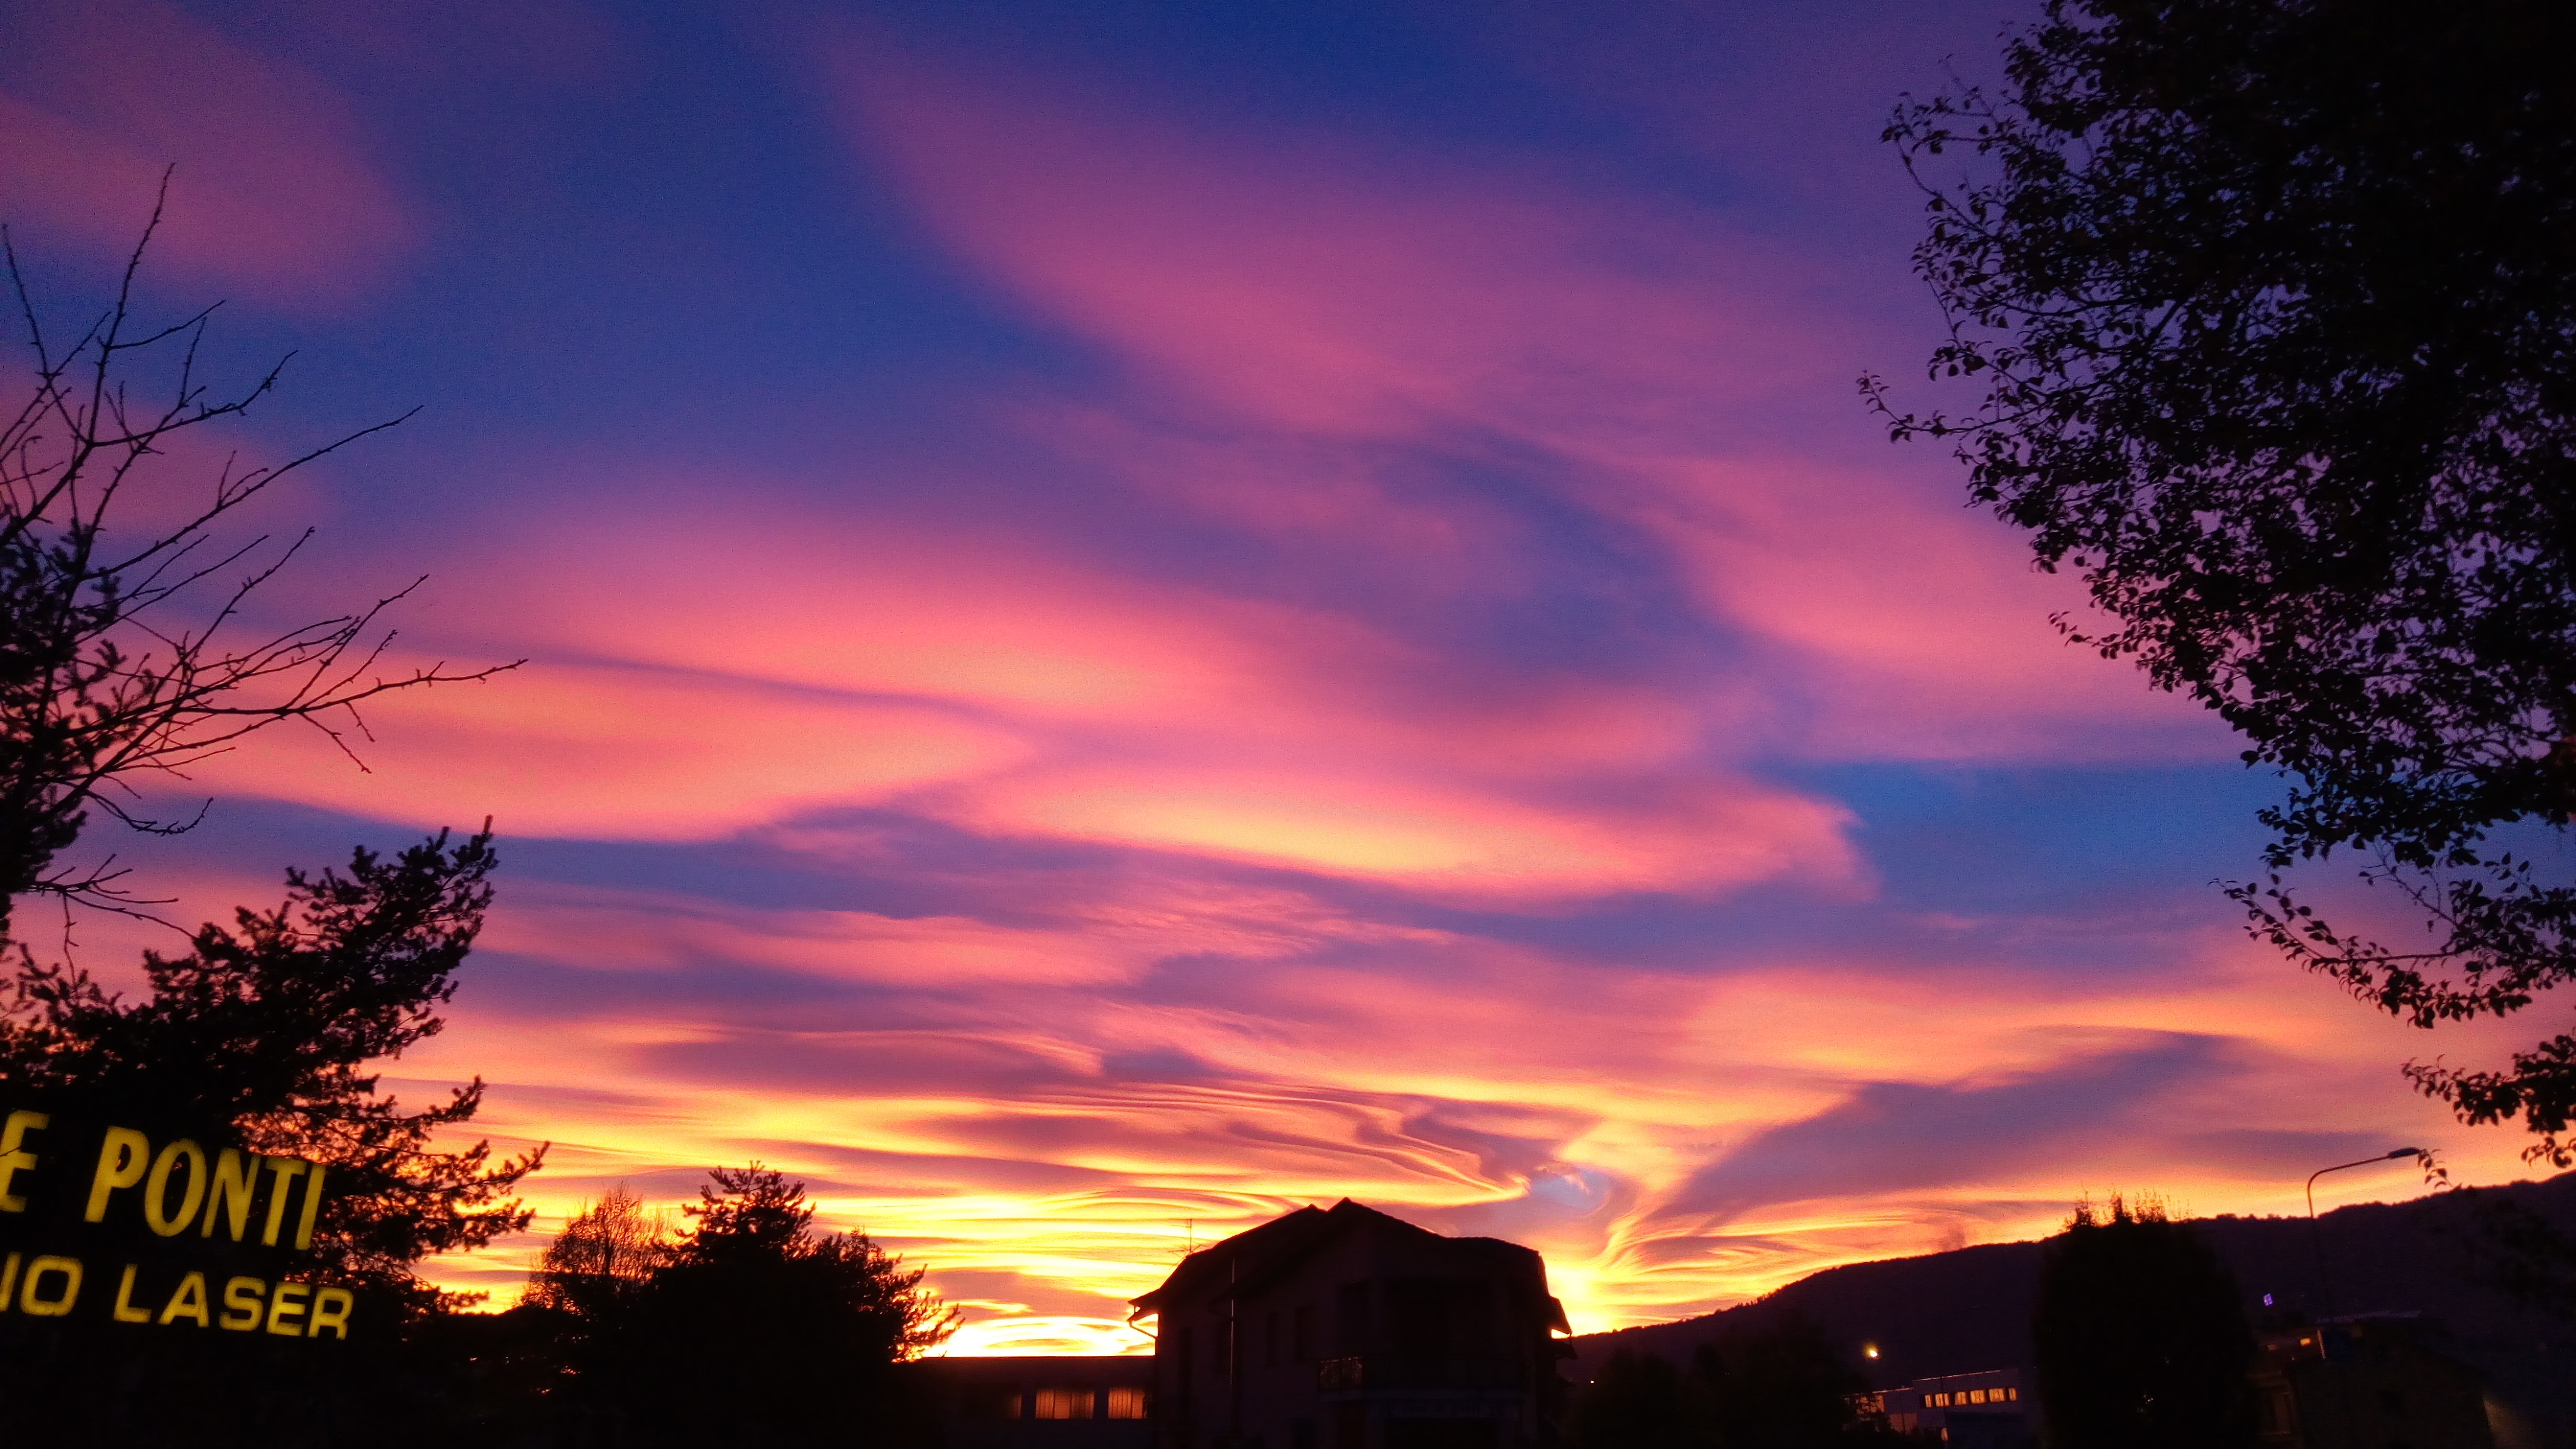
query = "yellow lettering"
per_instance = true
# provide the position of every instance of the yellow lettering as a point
(122, 1157)
(241, 1296)
(15, 1159)
(285, 1306)
(156, 1188)
(34, 1306)
(8, 1283)
(236, 1178)
(126, 1312)
(188, 1302)
(285, 1169)
(331, 1310)
(312, 1209)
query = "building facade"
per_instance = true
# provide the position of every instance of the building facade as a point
(1349, 1329)
(2367, 1380)
(1990, 1410)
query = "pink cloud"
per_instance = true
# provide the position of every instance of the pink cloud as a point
(275, 193)
(616, 930)
(611, 752)
(1327, 287)
(1703, 836)
(1305, 297)
(1018, 691)
(1916, 629)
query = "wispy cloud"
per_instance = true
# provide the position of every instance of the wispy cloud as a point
(276, 191)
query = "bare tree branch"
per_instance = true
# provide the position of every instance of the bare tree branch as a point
(123, 659)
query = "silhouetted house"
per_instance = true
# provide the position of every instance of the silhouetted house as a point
(1039, 1402)
(2372, 1379)
(1350, 1329)
(1990, 1410)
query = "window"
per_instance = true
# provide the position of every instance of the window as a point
(1976, 1396)
(1302, 1329)
(1127, 1401)
(2012, 1396)
(1064, 1403)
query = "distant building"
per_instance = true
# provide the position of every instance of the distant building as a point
(2372, 1379)
(1990, 1410)
(1350, 1329)
(1039, 1402)
(2375, 1380)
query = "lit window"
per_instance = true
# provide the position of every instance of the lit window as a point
(1127, 1402)
(1064, 1403)
(2012, 1396)
(1976, 1396)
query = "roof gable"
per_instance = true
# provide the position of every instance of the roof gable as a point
(1258, 1256)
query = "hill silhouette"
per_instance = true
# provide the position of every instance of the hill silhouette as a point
(1968, 1310)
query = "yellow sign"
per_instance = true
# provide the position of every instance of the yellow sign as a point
(104, 1223)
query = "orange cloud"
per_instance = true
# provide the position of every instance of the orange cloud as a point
(1608, 1116)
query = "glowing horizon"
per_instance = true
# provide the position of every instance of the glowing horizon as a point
(1137, 621)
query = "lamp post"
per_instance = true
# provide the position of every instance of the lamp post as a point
(2317, 1240)
(2316, 1234)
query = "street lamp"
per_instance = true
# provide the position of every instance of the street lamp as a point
(2316, 1235)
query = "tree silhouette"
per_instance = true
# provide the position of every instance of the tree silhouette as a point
(2141, 1336)
(758, 1326)
(263, 1032)
(266, 1027)
(1785, 1386)
(1788, 1386)
(603, 1261)
(124, 651)
(1642, 1401)
(2271, 305)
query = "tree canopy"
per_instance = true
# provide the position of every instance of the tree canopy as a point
(267, 1027)
(2141, 1338)
(2273, 306)
(1784, 1387)
(603, 1260)
(126, 654)
(753, 1322)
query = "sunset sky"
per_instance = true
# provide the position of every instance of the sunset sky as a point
(1138, 615)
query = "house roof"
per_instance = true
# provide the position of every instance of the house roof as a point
(1252, 1259)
